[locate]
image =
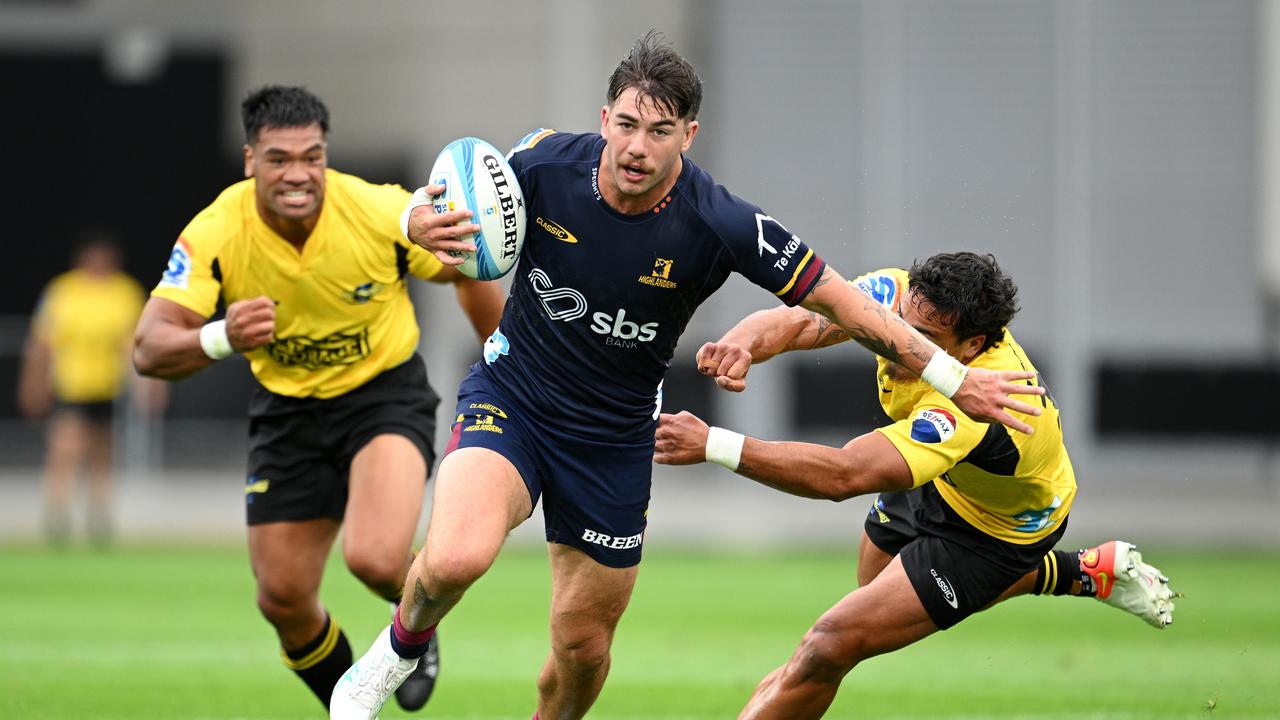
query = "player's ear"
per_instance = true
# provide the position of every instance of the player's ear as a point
(971, 348)
(604, 120)
(689, 131)
(248, 161)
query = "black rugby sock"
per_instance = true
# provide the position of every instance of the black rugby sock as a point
(1058, 573)
(321, 662)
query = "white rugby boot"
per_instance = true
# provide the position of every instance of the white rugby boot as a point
(369, 683)
(1124, 581)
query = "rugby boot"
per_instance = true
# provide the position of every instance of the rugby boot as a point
(1122, 580)
(367, 685)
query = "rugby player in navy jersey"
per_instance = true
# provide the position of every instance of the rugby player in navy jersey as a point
(626, 238)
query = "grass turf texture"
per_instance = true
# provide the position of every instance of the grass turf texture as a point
(173, 632)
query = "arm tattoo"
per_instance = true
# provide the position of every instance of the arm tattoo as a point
(829, 333)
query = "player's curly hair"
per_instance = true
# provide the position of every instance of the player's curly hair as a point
(970, 287)
(661, 75)
(281, 106)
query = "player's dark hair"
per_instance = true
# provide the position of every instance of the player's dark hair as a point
(280, 106)
(970, 287)
(660, 75)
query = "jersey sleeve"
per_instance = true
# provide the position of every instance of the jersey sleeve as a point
(190, 279)
(884, 286)
(385, 203)
(935, 437)
(767, 253)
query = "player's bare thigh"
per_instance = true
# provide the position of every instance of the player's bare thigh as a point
(385, 486)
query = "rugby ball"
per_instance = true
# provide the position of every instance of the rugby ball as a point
(476, 177)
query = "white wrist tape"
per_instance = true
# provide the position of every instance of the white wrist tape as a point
(214, 340)
(944, 373)
(724, 447)
(420, 198)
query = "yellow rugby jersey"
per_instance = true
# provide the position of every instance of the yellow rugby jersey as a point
(1012, 486)
(343, 313)
(87, 322)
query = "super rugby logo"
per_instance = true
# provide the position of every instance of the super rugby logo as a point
(933, 425)
(880, 288)
(178, 272)
(506, 204)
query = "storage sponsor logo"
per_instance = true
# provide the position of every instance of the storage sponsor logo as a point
(337, 349)
(613, 543)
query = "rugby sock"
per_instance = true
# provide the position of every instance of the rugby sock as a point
(322, 661)
(1059, 571)
(406, 643)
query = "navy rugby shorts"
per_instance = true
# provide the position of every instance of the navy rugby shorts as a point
(955, 569)
(595, 493)
(300, 449)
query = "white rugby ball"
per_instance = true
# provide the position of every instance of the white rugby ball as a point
(476, 177)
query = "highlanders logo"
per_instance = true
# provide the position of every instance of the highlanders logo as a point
(933, 425)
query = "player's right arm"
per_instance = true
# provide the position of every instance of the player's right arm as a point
(168, 343)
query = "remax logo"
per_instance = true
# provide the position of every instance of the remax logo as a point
(933, 425)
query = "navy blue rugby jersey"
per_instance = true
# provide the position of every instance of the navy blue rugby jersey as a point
(600, 298)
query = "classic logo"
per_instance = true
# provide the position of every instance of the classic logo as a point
(254, 486)
(337, 349)
(506, 203)
(933, 425)
(556, 231)
(178, 273)
(363, 293)
(490, 408)
(948, 592)
(661, 275)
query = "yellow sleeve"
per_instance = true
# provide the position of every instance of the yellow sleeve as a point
(934, 437)
(189, 280)
(386, 202)
(42, 319)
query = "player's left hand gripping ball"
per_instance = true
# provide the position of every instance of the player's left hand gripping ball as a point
(476, 177)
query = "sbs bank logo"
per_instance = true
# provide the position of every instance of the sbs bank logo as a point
(622, 332)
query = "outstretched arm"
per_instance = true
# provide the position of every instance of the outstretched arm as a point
(759, 337)
(866, 464)
(983, 395)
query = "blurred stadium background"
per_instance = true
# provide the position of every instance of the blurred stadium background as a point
(1121, 159)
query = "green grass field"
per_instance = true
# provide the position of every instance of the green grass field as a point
(173, 632)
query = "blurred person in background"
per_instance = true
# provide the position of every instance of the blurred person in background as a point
(312, 268)
(968, 512)
(75, 366)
